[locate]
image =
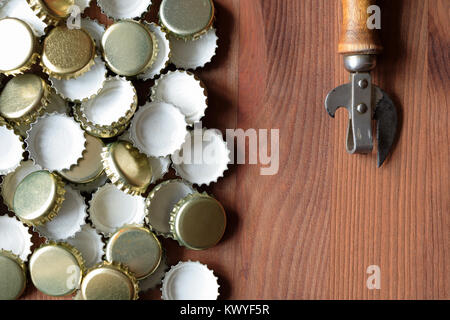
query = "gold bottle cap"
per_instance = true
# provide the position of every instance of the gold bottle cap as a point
(109, 281)
(56, 269)
(38, 198)
(51, 11)
(24, 98)
(160, 202)
(164, 52)
(136, 247)
(129, 47)
(67, 53)
(187, 19)
(126, 167)
(12, 180)
(13, 276)
(156, 277)
(19, 46)
(90, 167)
(198, 221)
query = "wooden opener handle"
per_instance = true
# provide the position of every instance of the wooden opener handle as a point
(356, 37)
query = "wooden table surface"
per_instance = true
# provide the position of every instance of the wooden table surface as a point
(311, 231)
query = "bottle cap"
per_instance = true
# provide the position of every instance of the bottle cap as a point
(95, 30)
(129, 48)
(57, 104)
(83, 87)
(12, 180)
(111, 209)
(185, 91)
(20, 128)
(21, 10)
(158, 129)
(136, 247)
(90, 244)
(56, 269)
(90, 167)
(155, 278)
(24, 98)
(15, 237)
(160, 165)
(91, 186)
(67, 53)
(108, 113)
(198, 221)
(163, 56)
(193, 54)
(70, 218)
(13, 276)
(56, 142)
(126, 167)
(187, 19)
(104, 132)
(51, 11)
(160, 203)
(12, 146)
(215, 157)
(19, 46)
(38, 198)
(119, 9)
(109, 281)
(190, 281)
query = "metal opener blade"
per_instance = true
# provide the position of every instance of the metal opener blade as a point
(364, 101)
(359, 131)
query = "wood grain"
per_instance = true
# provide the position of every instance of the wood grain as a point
(311, 231)
(356, 38)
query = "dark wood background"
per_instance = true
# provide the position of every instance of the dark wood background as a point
(311, 231)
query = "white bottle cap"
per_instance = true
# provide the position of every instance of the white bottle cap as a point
(56, 142)
(89, 242)
(193, 54)
(71, 217)
(158, 129)
(190, 281)
(15, 237)
(111, 208)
